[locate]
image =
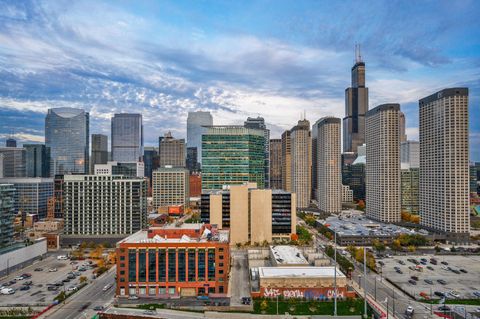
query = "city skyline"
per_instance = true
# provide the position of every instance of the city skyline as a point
(183, 63)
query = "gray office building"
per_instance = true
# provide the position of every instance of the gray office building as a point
(127, 137)
(172, 151)
(7, 213)
(31, 194)
(67, 136)
(99, 150)
(356, 105)
(195, 129)
(12, 162)
(37, 160)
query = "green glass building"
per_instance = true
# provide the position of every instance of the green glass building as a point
(232, 155)
(410, 189)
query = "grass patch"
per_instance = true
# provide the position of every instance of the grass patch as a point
(301, 307)
(151, 306)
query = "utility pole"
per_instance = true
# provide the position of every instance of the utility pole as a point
(335, 279)
(365, 280)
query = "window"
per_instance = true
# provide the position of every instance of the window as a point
(211, 264)
(181, 265)
(201, 265)
(172, 265)
(162, 269)
(162, 290)
(132, 265)
(220, 289)
(151, 290)
(171, 290)
(122, 272)
(142, 265)
(220, 264)
(191, 265)
(221, 257)
(122, 258)
(152, 266)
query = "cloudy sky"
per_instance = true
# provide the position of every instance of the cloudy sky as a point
(276, 59)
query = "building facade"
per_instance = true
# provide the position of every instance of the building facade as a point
(7, 213)
(356, 105)
(328, 164)
(444, 151)
(172, 151)
(104, 205)
(151, 161)
(275, 164)
(131, 169)
(127, 137)
(99, 150)
(232, 155)
(67, 136)
(383, 202)
(410, 153)
(301, 162)
(252, 215)
(402, 128)
(37, 160)
(286, 162)
(31, 194)
(169, 262)
(12, 162)
(196, 122)
(259, 124)
(170, 187)
(410, 179)
(192, 160)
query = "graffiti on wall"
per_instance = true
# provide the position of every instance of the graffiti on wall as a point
(307, 293)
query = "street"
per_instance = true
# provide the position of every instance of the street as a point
(239, 285)
(81, 304)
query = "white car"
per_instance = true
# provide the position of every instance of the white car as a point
(72, 288)
(445, 268)
(62, 257)
(52, 270)
(409, 311)
(7, 291)
(454, 294)
(108, 286)
(18, 278)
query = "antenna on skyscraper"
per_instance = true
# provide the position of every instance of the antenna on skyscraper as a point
(358, 55)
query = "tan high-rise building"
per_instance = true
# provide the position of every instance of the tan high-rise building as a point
(170, 187)
(171, 151)
(252, 215)
(328, 164)
(301, 162)
(276, 164)
(286, 162)
(444, 173)
(383, 163)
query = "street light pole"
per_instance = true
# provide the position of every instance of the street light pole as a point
(335, 280)
(365, 281)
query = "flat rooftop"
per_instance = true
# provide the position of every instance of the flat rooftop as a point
(304, 272)
(359, 225)
(142, 237)
(285, 255)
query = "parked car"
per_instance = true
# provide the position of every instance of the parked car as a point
(52, 270)
(454, 293)
(62, 257)
(464, 271)
(444, 308)
(38, 269)
(430, 268)
(149, 312)
(401, 262)
(433, 261)
(399, 272)
(98, 308)
(441, 281)
(423, 259)
(409, 311)
(476, 294)
(414, 278)
(246, 300)
(132, 297)
(24, 288)
(106, 287)
(66, 280)
(428, 281)
(444, 263)
(26, 275)
(445, 268)
(7, 291)
(72, 288)
(52, 288)
(18, 278)
(413, 282)
(439, 294)
(28, 283)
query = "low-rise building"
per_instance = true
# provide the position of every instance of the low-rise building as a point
(301, 282)
(283, 255)
(172, 261)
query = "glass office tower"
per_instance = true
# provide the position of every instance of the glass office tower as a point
(127, 137)
(67, 136)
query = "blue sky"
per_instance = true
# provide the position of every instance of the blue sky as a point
(275, 59)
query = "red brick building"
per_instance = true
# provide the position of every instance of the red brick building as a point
(195, 185)
(169, 261)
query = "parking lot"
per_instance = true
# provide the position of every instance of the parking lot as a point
(430, 280)
(42, 276)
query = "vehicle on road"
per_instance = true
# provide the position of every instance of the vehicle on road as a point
(444, 308)
(149, 312)
(106, 287)
(409, 311)
(7, 291)
(98, 308)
